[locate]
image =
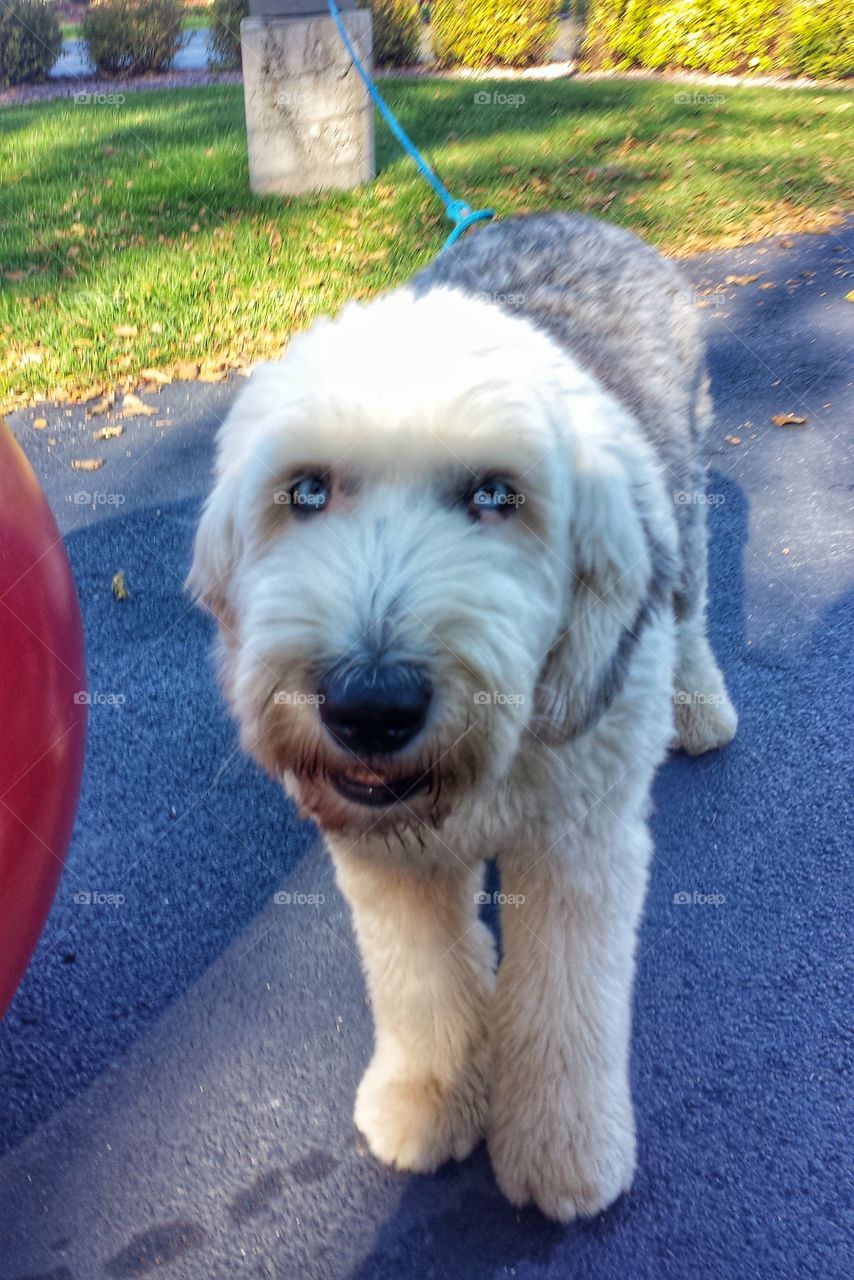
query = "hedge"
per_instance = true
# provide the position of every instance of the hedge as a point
(805, 37)
(30, 40)
(487, 33)
(130, 37)
(397, 32)
(226, 16)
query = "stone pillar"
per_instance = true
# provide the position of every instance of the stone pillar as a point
(309, 120)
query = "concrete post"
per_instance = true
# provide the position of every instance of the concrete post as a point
(309, 120)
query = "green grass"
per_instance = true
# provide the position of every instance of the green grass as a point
(130, 238)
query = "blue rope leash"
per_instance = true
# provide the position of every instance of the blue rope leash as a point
(457, 211)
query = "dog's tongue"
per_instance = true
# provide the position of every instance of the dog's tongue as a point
(368, 776)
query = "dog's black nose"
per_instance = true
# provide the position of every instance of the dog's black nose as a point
(374, 710)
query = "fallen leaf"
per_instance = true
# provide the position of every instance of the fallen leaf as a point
(849, 297)
(126, 331)
(156, 375)
(87, 464)
(40, 424)
(733, 439)
(186, 370)
(120, 590)
(108, 433)
(770, 285)
(15, 276)
(788, 420)
(105, 403)
(133, 407)
(741, 279)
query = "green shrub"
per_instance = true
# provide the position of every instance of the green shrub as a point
(226, 16)
(130, 37)
(812, 37)
(397, 32)
(720, 36)
(821, 38)
(487, 33)
(30, 40)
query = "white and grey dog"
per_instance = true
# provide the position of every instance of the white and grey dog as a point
(456, 549)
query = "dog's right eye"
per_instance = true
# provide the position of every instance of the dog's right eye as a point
(309, 495)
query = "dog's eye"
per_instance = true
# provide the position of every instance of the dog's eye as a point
(492, 498)
(309, 495)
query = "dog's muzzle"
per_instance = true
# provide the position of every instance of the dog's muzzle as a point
(373, 712)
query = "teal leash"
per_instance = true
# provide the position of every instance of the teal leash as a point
(460, 213)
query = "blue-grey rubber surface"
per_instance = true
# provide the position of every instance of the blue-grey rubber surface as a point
(177, 1071)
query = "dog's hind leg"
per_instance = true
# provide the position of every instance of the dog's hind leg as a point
(705, 717)
(429, 965)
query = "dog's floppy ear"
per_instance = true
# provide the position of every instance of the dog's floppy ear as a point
(617, 571)
(224, 534)
(216, 551)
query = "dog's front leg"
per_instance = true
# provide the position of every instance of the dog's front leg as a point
(429, 965)
(561, 1127)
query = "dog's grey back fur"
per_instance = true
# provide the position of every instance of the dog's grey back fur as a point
(626, 314)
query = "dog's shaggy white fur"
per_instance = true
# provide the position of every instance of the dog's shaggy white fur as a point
(488, 503)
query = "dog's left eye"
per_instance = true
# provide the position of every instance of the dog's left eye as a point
(309, 495)
(492, 498)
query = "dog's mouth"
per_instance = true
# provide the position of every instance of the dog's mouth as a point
(377, 790)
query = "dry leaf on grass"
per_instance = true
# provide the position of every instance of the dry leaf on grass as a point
(108, 433)
(120, 589)
(156, 375)
(133, 407)
(126, 331)
(87, 464)
(788, 420)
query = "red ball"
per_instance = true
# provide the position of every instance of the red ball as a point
(42, 711)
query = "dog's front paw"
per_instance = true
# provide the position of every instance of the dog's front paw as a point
(568, 1167)
(704, 722)
(416, 1122)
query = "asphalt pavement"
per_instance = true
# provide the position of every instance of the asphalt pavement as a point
(177, 1071)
